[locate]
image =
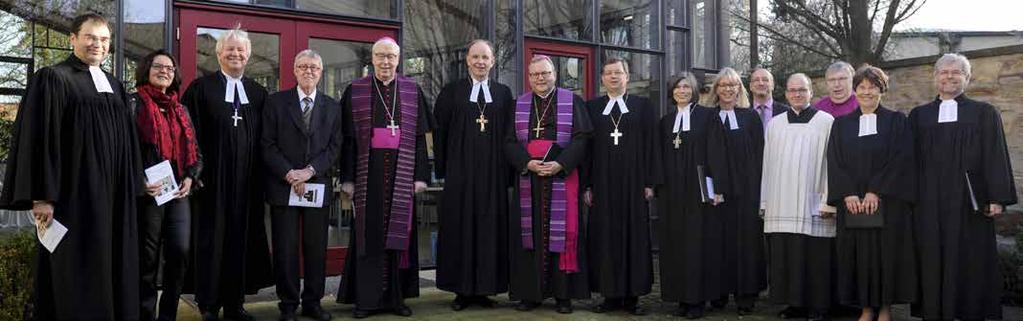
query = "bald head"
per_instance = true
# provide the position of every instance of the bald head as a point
(798, 90)
(761, 84)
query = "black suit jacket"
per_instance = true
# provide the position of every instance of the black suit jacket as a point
(288, 145)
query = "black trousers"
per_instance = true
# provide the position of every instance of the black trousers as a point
(165, 228)
(299, 231)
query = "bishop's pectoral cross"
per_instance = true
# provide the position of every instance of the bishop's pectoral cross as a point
(393, 127)
(483, 123)
(616, 134)
(538, 129)
(236, 118)
(677, 142)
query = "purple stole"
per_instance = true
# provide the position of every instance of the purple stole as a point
(564, 224)
(400, 225)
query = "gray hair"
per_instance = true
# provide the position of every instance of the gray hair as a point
(840, 66)
(385, 41)
(238, 34)
(309, 53)
(954, 58)
(801, 76)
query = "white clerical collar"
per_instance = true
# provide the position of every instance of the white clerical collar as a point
(232, 85)
(682, 119)
(302, 95)
(948, 111)
(99, 78)
(611, 103)
(727, 115)
(480, 85)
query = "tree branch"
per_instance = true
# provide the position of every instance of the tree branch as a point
(781, 37)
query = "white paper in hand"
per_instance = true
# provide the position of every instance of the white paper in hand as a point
(51, 236)
(162, 174)
(313, 196)
(868, 125)
(710, 187)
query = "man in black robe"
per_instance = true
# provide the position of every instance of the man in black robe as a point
(619, 181)
(545, 143)
(472, 243)
(965, 180)
(74, 160)
(391, 118)
(231, 253)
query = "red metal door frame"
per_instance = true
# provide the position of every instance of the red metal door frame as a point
(551, 48)
(294, 32)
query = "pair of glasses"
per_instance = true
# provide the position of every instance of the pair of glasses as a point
(159, 67)
(308, 67)
(541, 74)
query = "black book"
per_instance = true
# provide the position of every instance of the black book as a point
(863, 220)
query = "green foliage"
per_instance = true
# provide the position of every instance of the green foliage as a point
(6, 132)
(17, 252)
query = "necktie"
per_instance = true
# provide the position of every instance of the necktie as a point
(307, 111)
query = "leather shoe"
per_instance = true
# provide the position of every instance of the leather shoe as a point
(210, 316)
(402, 310)
(238, 314)
(360, 313)
(607, 306)
(460, 303)
(814, 316)
(694, 312)
(635, 310)
(526, 305)
(681, 310)
(316, 313)
(485, 302)
(792, 313)
(288, 316)
(744, 311)
(564, 306)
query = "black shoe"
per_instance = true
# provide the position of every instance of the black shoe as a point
(607, 306)
(719, 303)
(460, 303)
(681, 310)
(238, 314)
(564, 306)
(402, 311)
(360, 313)
(744, 311)
(210, 316)
(484, 301)
(635, 310)
(288, 316)
(792, 313)
(695, 312)
(817, 316)
(316, 313)
(526, 305)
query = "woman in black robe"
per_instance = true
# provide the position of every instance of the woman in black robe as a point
(690, 238)
(870, 173)
(744, 269)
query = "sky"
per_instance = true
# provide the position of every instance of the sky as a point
(959, 15)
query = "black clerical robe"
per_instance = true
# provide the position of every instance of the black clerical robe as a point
(619, 224)
(690, 231)
(535, 273)
(959, 270)
(375, 279)
(472, 241)
(77, 148)
(232, 257)
(875, 266)
(744, 269)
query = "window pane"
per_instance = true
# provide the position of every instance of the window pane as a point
(738, 35)
(629, 23)
(676, 12)
(435, 36)
(264, 62)
(644, 74)
(143, 34)
(703, 34)
(676, 52)
(569, 19)
(508, 70)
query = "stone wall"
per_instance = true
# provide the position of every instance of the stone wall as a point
(997, 79)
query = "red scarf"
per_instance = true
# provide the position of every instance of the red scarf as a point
(170, 131)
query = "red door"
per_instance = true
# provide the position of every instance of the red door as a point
(573, 63)
(276, 39)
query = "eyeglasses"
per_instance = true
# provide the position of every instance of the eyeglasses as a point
(728, 85)
(950, 72)
(542, 74)
(159, 67)
(308, 67)
(797, 90)
(387, 56)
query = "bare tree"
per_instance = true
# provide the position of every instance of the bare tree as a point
(856, 31)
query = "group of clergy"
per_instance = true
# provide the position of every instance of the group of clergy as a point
(844, 202)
